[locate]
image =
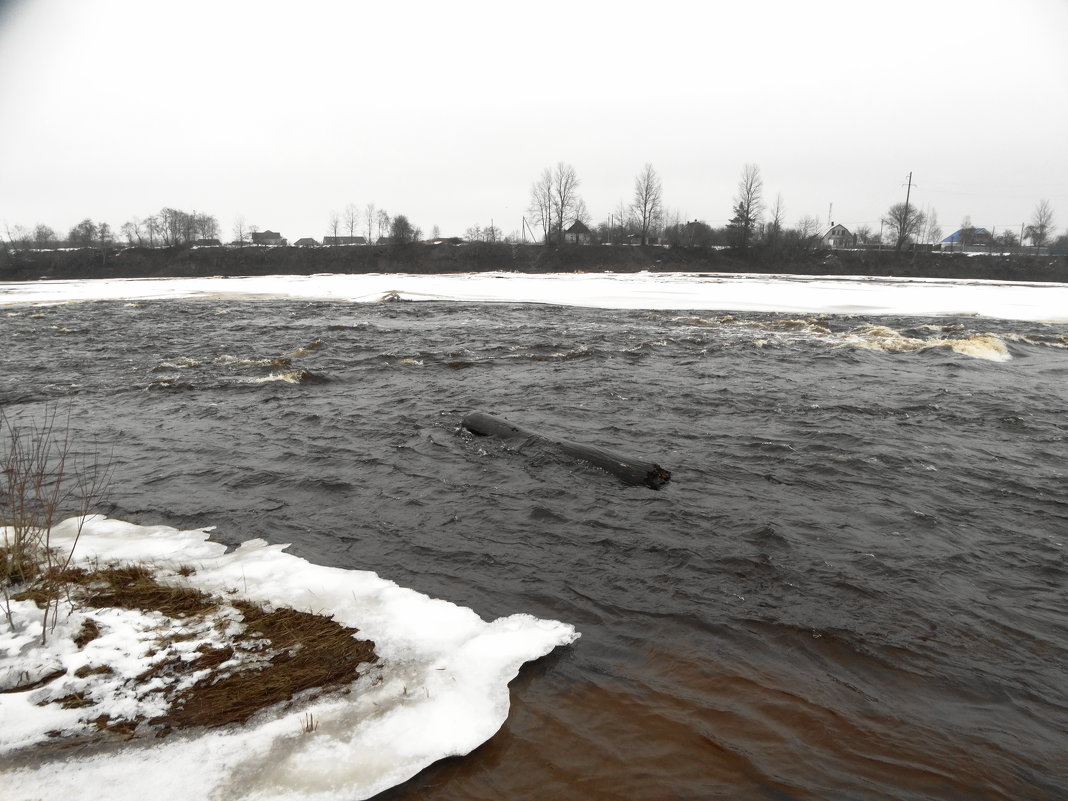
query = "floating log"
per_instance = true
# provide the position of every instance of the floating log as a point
(631, 471)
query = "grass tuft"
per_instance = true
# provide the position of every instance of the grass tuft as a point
(298, 652)
(135, 587)
(89, 631)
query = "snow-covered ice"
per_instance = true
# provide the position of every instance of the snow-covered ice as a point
(732, 292)
(440, 687)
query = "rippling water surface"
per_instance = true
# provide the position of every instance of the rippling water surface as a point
(852, 588)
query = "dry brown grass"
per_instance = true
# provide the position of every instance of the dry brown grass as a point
(280, 654)
(87, 633)
(135, 587)
(298, 652)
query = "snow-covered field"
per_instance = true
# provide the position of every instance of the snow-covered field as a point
(833, 295)
(440, 688)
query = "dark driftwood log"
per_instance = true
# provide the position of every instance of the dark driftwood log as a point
(631, 471)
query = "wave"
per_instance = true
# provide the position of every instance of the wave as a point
(879, 337)
(764, 332)
(291, 377)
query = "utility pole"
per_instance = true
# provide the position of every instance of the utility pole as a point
(903, 230)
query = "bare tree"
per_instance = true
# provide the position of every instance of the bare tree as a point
(621, 220)
(564, 198)
(352, 217)
(134, 231)
(384, 223)
(18, 236)
(931, 231)
(1008, 240)
(541, 202)
(748, 207)
(334, 225)
(865, 235)
(43, 236)
(205, 226)
(673, 222)
(778, 218)
(648, 198)
(554, 201)
(189, 226)
(904, 222)
(369, 216)
(808, 229)
(152, 228)
(239, 230)
(171, 226)
(105, 239)
(1041, 227)
(580, 213)
(84, 233)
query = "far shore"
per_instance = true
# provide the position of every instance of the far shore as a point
(436, 259)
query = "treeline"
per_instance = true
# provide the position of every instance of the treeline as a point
(167, 228)
(755, 226)
(558, 214)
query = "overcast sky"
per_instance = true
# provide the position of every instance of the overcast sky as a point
(448, 111)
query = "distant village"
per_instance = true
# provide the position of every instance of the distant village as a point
(833, 236)
(557, 215)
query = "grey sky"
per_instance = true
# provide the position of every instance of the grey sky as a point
(448, 111)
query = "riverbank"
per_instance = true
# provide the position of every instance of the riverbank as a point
(425, 258)
(233, 678)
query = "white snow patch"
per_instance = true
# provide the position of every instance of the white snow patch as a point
(440, 687)
(730, 292)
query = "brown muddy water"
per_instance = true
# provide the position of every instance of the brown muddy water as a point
(852, 588)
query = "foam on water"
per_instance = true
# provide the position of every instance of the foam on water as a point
(872, 337)
(878, 337)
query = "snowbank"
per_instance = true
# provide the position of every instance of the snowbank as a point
(728, 292)
(440, 687)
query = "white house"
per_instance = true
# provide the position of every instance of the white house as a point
(837, 236)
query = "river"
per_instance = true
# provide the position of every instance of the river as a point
(853, 587)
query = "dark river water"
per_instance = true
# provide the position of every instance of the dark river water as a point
(854, 586)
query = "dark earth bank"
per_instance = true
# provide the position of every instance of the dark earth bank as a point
(426, 258)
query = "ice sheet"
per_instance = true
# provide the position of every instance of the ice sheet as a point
(645, 290)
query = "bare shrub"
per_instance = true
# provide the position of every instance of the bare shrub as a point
(43, 479)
